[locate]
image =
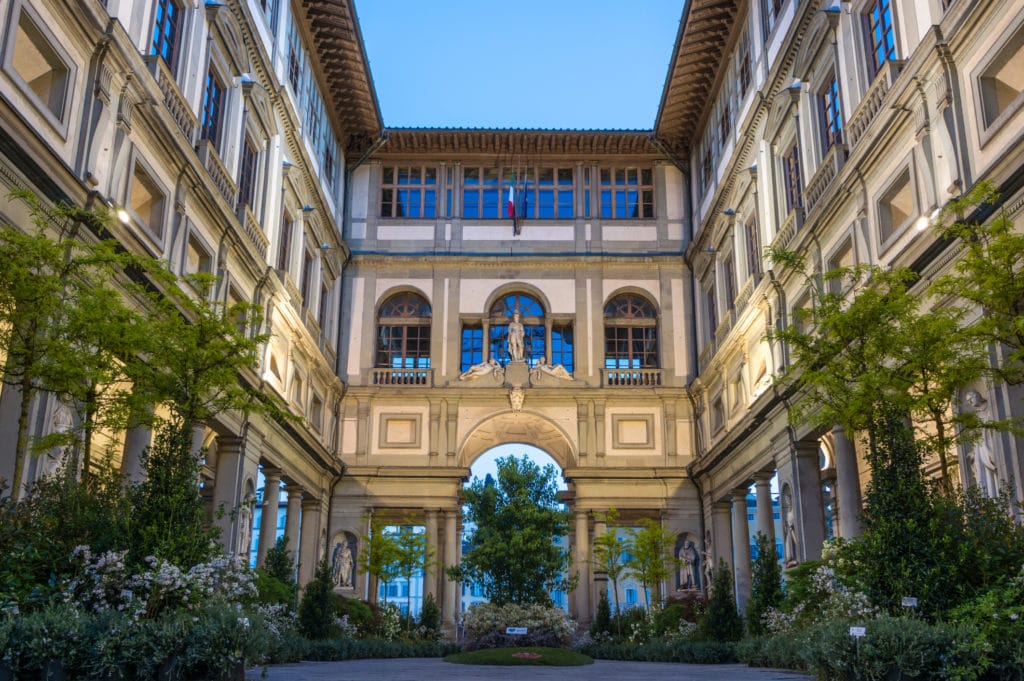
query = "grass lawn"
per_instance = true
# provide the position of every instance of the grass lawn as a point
(551, 657)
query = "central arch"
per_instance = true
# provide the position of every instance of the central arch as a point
(518, 428)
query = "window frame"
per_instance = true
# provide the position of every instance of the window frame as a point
(1012, 38)
(213, 131)
(174, 44)
(885, 196)
(643, 329)
(830, 113)
(396, 186)
(614, 188)
(421, 322)
(58, 120)
(138, 163)
(874, 64)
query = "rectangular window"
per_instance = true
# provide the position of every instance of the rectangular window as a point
(325, 297)
(896, 207)
(213, 108)
(284, 248)
(770, 13)
(39, 66)
(307, 279)
(408, 192)
(166, 30)
(481, 192)
(881, 36)
(561, 346)
(744, 66)
(729, 275)
(831, 116)
(197, 257)
(472, 350)
(711, 311)
(316, 412)
(631, 596)
(791, 179)
(547, 193)
(627, 193)
(247, 174)
(147, 201)
(753, 246)
(1002, 81)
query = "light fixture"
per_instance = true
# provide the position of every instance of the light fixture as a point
(729, 211)
(308, 208)
(922, 223)
(123, 217)
(325, 247)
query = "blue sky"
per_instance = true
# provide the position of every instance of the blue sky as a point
(524, 64)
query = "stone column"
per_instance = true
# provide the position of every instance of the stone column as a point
(452, 590)
(765, 513)
(809, 507)
(581, 556)
(227, 492)
(308, 554)
(10, 407)
(600, 580)
(432, 576)
(741, 548)
(268, 515)
(721, 529)
(293, 520)
(847, 484)
(135, 442)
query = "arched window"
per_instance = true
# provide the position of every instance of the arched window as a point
(403, 332)
(531, 314)
(630, 333)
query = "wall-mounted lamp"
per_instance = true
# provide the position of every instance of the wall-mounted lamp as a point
(308, 208)
(122, 216)
(710, 249)
(325, 247)
(729, 211)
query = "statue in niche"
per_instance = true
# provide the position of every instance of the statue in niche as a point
(516, 334)
(689, 566)
(707, 560)
(789, 528)
(342, 561)
(981, 456)
(487, 368)
(245, 525)
(556, 370)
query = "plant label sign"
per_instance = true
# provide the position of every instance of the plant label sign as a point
(858, 632)
(909, 602)
(515, 631)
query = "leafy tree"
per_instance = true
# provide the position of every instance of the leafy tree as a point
(650, 556)
(380, 558)
(721, 621)
(609, 550)
(317, 609)
(602, 623)
(511, 552)
(989, 273)
(766, 585)
(864, 345)
(412, 557)
(430, 616)
(276, 578)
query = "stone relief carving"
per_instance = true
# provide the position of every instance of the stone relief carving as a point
(516, 397)
(488, 368)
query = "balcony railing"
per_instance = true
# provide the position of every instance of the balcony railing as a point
(787, 231)
(221, 177)
(827, 171)
(253, 230)
(873, 99)
(725, 326)
(175, 102)
(615, 378)
(704, 359)
(743, 297)
(418, 377)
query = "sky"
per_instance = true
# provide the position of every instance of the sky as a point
(570, 64)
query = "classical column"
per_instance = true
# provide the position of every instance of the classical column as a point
(136, 440)
(450, 606)
(600, 576)
(268, 515)
(741, 548)
(432, 575)
(581, 556)
(227, 493)
(765, 512)
(293, 520)
(809, 506)
(721, 528)
(310, 542)
(847, 484)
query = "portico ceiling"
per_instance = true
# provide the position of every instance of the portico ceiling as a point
(518, 428)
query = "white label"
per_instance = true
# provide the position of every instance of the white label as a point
(517, 631)
(909, 602)
(858, 632)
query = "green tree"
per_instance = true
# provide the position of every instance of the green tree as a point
(276, 577)
(609, 552)
(864, 344)
(412, 558)
(512, 551)
(317, 609)
(380, 557)
(989, 274)
(721, 621)
(650, 556)
(766, 585)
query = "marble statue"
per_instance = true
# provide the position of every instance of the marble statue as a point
(707, 560)
(245, 526)
(516, 334)
(341, 562)
(491, 366)
(689, 566)
(983, 460)
(556, 370)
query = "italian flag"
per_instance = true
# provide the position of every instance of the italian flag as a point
(512, 200)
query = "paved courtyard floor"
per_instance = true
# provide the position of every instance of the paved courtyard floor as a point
(419, 669)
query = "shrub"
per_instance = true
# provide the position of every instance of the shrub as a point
(429, 624)
(634, 623)
(996, 622)
(783, 651)
(360, 614)
(317, 618)
(667, 619)
(221, 639)
(486, 624)
(766, 585)
(694, 652)
(602, 623)
(721, 621)
(690, 603)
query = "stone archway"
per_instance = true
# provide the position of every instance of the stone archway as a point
(518, 428)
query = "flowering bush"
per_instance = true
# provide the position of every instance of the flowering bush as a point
(486, 624)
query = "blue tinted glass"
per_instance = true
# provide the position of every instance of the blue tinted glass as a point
(470, 204)
(606, 203)
(620, 204)
(448, 203)
(546, 204)
(533, 343)
(490, 209)
(586, 204)
(429, 202)
(561, 347)
(565, 204)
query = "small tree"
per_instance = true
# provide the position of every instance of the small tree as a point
(430, 616)
(721, 621)
(317, 610)
(766, 585)
(512, 551)
(276, 577)
(650, 556)
(602, 617)
(412, 557)
(380, 557)
(609, 549)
